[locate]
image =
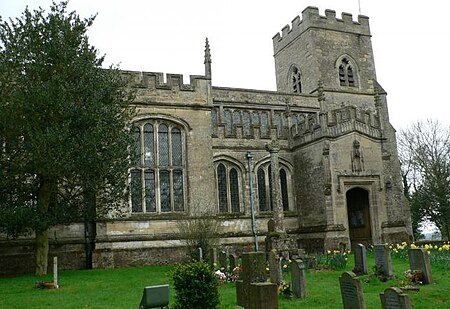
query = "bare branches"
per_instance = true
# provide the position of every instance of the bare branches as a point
(424, 152)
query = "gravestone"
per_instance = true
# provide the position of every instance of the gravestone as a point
(213, 257)
(361, 267)
(279, 241)
(351, 291)
(253, 271)
(275, 271)
(271, 226)
(298, 277)
(200, 254)
(263, 295)
(223, 260)
(393, 298)
(419, 259)
(232, 261)
(383, 260)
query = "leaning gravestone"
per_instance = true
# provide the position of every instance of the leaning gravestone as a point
(351, 291)
(253, 271)
(298, 276)
(276, 274)
(383, 261)
(393, 298)
(361, 267)
(419, 259)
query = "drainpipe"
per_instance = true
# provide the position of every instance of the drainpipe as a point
(252, 199)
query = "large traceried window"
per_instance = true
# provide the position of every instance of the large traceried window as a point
(157, 179)
(264, 188)
(228, 184)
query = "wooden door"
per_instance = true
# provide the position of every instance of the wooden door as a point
(359, 216)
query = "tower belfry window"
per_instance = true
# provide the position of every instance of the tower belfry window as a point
(296, 81)
(346, 74)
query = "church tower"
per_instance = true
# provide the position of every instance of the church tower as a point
(337, 52)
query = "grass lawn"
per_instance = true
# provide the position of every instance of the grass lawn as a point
(122, 288)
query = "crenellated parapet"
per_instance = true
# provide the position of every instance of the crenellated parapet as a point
(311, 19)
(334, 124)
(151, 89)
(155, 80)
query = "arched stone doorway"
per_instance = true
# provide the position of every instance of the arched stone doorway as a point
(358, 211)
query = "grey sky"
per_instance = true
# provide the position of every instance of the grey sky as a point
(410, 41)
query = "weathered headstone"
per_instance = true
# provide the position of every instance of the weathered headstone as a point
(232, 261)
(419, 259)
(263, 295)
(213, 256)
(200, 254)
(253, 271)
(298, 277)
(361, 266)
(271, 226)
(223, 260)
(55, 272)
(393, 298)
(276, 274)
(383, 261)
(351, 291)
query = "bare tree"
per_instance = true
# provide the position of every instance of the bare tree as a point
(200, 230)
(424, 151)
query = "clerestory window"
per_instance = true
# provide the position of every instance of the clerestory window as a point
(346, 73)
(228, 184)
(158, 178)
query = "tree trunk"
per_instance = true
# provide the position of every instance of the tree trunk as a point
(90, 226)
(41, 252)
(45, 196)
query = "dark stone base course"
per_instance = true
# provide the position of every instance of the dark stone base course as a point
(119, 258)
(19, 259)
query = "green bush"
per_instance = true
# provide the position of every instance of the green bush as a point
(196, 286)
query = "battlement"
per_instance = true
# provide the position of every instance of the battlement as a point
(336, 123)
(155, 80)
(312, 19)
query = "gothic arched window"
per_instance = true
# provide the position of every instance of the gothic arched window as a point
(228, 184)
(264, 183)
(296, 80)
(157, 179)
(346, 73)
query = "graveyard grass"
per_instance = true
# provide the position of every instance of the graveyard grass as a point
(122, 288)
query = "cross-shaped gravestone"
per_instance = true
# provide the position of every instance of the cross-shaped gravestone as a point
(419, 259)
(383, 261)
(298, 276)
(361, 267)
(351, 291)
(393, 298)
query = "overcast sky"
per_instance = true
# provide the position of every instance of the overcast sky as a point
(411, 42)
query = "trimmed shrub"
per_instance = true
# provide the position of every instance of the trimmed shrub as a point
(196, 286)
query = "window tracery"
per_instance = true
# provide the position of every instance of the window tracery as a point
(157, 179)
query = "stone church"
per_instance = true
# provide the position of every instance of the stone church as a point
(318, 155)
